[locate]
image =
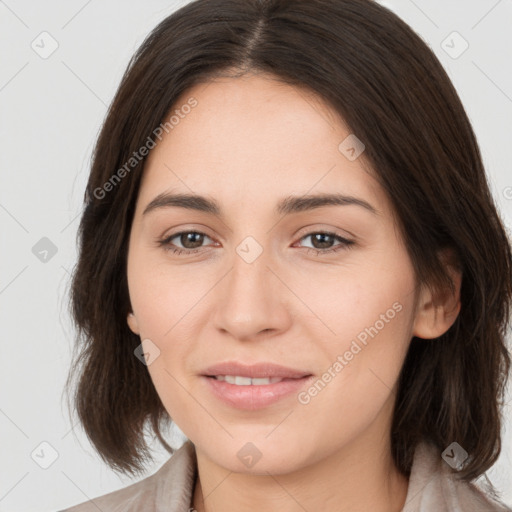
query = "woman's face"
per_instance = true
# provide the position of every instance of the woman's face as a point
(262, 284)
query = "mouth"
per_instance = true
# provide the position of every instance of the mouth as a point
(256, 386)
(239, 380)
(263, 370)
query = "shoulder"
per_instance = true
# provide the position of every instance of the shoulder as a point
(434, 486)
(170, 488)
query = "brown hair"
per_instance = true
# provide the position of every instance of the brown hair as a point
(392, 92)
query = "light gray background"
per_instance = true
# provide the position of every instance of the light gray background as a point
(51, 111)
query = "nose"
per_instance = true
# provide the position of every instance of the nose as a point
(252, 301)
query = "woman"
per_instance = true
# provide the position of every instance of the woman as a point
(286, 250)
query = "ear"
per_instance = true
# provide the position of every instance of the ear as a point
(132, 323)
(436, 314)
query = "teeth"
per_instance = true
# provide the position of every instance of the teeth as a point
(239, 381)
(247, 381)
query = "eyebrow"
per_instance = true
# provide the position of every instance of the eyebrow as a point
(286, 206)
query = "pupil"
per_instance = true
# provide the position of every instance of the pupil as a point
(189, 237)
(325, 243)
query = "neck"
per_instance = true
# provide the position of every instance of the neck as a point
(356, 478)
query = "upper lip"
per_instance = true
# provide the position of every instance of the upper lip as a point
(254, 371)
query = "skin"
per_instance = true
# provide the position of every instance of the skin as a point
(249, 142)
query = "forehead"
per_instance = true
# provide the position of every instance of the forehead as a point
(254, 138)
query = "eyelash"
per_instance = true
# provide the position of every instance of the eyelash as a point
(345, 244)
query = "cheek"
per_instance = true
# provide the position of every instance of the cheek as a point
(163, 296)
(362, 360)
(360, 301)
(366, 322)
(164, 300)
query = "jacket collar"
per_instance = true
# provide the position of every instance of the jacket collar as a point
(432, 484)
(176, 480)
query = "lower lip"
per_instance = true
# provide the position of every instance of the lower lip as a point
(254, 397)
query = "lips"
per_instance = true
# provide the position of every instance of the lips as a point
(254, 371)
(255, 386)
(247, 381)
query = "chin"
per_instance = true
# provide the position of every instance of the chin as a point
(257, 455)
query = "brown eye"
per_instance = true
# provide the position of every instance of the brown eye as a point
(184, 241)
(322, 242)
(191, 240)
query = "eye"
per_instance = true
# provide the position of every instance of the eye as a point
(192, 242)
(322, 242)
